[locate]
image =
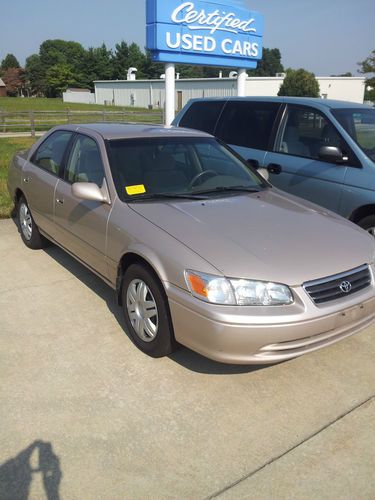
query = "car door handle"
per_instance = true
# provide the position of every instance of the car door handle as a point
(274, 168)
(60, 201)
(26, 179)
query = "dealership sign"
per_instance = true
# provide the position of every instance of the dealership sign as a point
(209, 33)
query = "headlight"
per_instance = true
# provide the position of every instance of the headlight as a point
(219, 290)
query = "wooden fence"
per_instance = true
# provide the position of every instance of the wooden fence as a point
(35, 121)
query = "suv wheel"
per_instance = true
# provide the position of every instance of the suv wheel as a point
(368, 223)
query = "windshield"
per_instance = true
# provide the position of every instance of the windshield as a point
(177, 166)
(360, 125)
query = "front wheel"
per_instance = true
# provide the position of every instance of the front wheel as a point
(29, 230)
(146, 312)
(368, 223)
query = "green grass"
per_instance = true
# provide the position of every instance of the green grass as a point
(18, 104)
(8, 147)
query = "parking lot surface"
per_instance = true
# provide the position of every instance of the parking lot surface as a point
(84, 414)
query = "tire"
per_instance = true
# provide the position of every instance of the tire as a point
(28, 229)
(368, 223)
(153, 335)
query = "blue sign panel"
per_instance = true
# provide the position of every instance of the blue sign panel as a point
(209, 33)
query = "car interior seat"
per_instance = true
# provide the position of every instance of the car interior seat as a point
(57, 154)
(292, 144)
(91, 167)
(161, 174)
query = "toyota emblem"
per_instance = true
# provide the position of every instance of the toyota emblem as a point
(346, 286)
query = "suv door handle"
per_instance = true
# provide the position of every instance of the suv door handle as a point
(253, 163)
(26, 179)
(60, 201)
(274, 168)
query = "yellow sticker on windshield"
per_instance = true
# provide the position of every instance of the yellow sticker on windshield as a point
(138, 189)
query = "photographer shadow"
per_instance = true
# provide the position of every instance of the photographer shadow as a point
(16, 475)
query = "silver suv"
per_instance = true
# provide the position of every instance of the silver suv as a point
(321, 150)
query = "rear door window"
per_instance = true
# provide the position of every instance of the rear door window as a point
(202, 115)
(248, 123)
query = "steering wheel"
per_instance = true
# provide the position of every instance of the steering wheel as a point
(210, 173)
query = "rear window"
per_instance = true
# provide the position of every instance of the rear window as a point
(248, 124)
(202, 116)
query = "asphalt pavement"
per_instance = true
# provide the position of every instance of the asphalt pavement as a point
(85, 415)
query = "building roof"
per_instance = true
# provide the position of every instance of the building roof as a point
(2, 84)
(251, 78)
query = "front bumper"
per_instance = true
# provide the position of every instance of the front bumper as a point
(264, 335)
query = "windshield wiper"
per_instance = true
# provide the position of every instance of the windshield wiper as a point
(167, 196)
(223, 189)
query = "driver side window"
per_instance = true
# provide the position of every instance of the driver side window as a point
(85, 163)
(305, 131)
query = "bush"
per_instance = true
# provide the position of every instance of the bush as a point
(299, 83)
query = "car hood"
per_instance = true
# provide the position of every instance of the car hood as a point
(265, 236)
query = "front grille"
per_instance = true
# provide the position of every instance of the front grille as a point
(339, 285)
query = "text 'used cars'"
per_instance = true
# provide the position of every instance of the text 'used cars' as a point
(201, 250)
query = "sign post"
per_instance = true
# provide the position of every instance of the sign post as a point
(241, 82)
(210, 33)
(170, 79)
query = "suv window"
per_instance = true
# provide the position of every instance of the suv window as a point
(248, 123)
(85, 163)
(50, 153)
(202, 116)
(304, 131)
(360, 125)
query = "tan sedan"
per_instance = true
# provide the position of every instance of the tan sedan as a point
(201, 250)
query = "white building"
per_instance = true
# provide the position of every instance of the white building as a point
(151, 93)
(83, 96)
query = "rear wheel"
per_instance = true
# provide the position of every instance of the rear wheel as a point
(29, 230)
(146, 312)
(368, 223)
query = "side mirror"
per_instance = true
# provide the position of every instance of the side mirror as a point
(332, 154)
(88, 191)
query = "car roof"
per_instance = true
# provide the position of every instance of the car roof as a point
(112, 131)
(307, 101)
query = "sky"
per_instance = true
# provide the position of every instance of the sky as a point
(326, 37)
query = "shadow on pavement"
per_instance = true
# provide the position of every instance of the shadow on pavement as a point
(17, 473)
(185, 357)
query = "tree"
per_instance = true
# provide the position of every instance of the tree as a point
(66, 57)
(9, 61)
(14, 80)
(35, 75)
(269, 65)
(53, 52)
(97, 64)
(367, 67)
(299, 83)
(152, 69)
(58, 78)
(120, 61)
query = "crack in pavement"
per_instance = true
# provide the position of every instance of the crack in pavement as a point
(274, 459)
